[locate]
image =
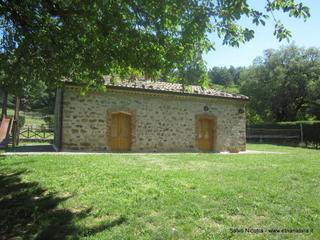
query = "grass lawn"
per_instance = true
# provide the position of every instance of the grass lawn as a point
(178, 196)
(35, 119)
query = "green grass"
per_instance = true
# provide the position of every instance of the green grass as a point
(35, 119)
(154, 196)
(36, 122)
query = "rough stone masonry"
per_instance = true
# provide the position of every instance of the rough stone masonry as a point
(161, 122)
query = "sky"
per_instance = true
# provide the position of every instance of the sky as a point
(304, 34)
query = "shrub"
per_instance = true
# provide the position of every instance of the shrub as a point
(49, 119)
(282, 125)
(22, 121)
(311, 134)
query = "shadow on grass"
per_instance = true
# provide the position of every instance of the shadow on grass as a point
(27, 211)
(31, 148)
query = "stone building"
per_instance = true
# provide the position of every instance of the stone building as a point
(145, 116)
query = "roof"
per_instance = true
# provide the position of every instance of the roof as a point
(165, 87)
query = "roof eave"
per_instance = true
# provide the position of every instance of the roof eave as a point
(174, 93)
(166, 92)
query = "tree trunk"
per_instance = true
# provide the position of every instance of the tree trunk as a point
(4, 104)
(15, 130)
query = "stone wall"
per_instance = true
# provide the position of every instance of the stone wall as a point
(161, 122)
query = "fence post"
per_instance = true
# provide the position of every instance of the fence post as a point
(15, 127)
(301, 133)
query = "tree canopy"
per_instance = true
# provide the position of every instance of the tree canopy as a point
(224, 76)
(284, 84)
(51, 40)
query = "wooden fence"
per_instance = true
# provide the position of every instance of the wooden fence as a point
(30, 133)
(275, 134)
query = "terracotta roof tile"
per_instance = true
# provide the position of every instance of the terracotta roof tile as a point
(173, 87)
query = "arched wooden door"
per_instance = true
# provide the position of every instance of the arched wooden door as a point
(206, 134)
(120, 132)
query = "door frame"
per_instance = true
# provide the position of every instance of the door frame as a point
(212, 118)
(109, 114)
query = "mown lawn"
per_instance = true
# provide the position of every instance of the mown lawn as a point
(178, 196)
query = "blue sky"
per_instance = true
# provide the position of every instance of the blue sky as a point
(304, 34)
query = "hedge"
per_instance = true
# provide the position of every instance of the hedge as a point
(311, 134)
(282, 125)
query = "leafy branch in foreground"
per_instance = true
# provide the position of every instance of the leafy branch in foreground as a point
(84, 40)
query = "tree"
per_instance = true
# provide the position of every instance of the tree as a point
(224, 76)
(283, 84)
(4, 112)
(220, 75)
(38, 98)
(194, 72)
(52, 40)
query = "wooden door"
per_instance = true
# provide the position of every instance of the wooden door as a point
(120, 132)
(206, 134)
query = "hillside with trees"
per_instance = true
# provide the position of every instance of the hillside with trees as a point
(283, 84)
